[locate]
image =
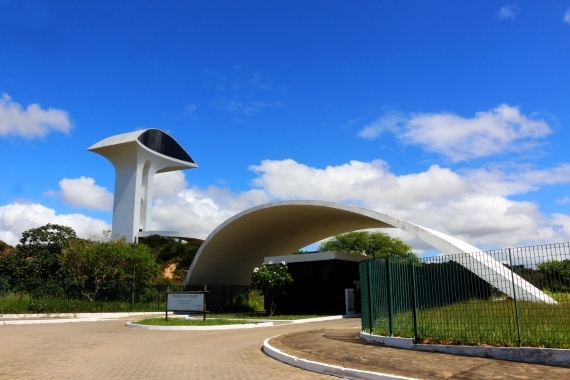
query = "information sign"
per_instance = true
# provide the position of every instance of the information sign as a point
(190, 302)
(186, 302)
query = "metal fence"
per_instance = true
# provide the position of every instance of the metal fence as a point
(87, 298)
(508, 297)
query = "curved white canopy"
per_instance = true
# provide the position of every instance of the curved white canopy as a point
(231, 252)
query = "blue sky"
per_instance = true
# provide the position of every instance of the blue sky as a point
(453, 115)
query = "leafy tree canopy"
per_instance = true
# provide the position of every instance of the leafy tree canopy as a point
(108, 259)
(271, 281)
(558, 274)
(375, 244)
(37, 261)
(169, 251)
(6, 249)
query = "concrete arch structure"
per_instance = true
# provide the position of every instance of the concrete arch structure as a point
(231, 251)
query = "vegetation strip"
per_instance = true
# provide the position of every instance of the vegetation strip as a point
(549, 356)
(192, 322)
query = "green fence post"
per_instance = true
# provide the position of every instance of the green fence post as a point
(132, 295)
(158, 297)
(413, 297)
(389, 296)
(515, 298)
(102, 287)
(370, 313)
(133, 289)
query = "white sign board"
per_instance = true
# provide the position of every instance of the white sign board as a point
(185, 302)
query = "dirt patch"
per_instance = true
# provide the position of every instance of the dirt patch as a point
(168, 272)
(344, 347)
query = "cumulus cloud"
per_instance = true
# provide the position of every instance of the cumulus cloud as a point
(502, 129)
(83, 193)
(33, 121)
(563, 200)
(473, 205)
(168, 184)
(508, 11)
(567, 16)
(200, 211)
(16, 218)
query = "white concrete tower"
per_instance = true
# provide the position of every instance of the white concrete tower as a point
(137, 157)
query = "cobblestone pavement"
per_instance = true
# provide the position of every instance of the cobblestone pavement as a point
(109, 350)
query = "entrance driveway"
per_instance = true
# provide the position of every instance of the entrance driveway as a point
(109, 350)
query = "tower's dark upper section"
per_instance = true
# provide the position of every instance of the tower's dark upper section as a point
(164, 144)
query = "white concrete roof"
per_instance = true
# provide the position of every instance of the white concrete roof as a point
(231, 251)
(315, 256)
(118, 139)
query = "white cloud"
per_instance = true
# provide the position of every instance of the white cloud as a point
(567, 16)
(472, 205)
(509, 11)
(502, 129)
(168, 184)
(31, 122)
(16, 218)
(200, 211)
(84, 193)
(247, 108)
(563, 200)
(390, 122)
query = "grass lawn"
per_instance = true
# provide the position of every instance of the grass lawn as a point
(287, 317)
(17, 304)
(486, 323)
(191, 322)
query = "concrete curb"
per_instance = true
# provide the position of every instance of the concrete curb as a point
(550, 356)
(297, 321)
(80, 315)
(194, 328)
(42, 321)
(327, 369)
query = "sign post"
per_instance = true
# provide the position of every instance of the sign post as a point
(191, 302)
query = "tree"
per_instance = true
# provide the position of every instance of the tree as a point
(6, 249)
(108, 260)
(168, 251)
(271, 280)
(557, 274)
(36, 265)
(375, 244)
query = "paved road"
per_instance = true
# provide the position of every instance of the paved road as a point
(108, 350)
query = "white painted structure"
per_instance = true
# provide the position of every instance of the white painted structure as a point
(315, 256)
(233, 249)
(137, 157)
